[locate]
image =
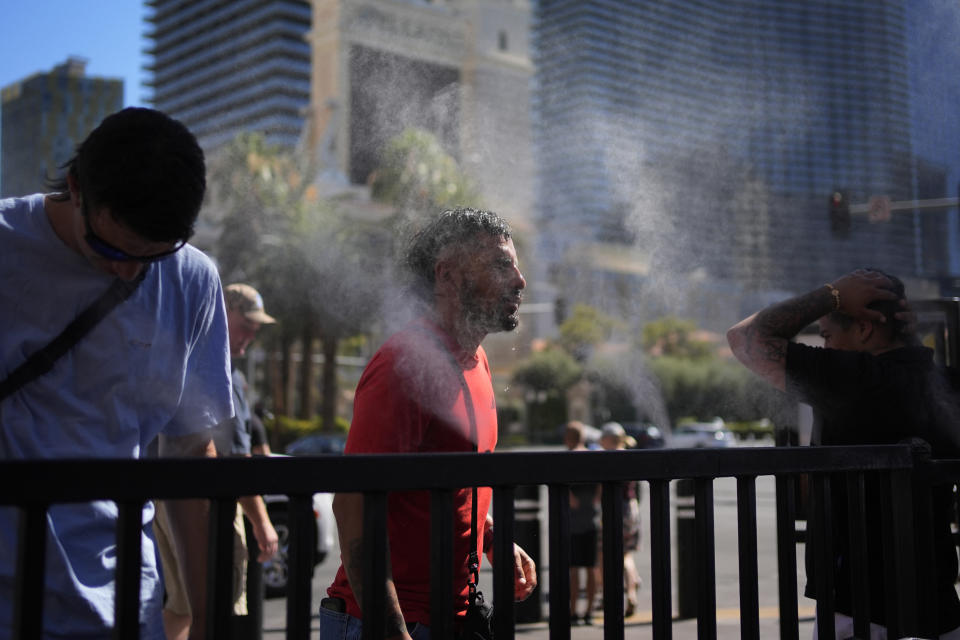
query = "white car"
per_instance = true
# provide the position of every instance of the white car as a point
(276, 570)
(699, 435)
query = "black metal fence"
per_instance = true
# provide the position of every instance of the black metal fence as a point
(906, 471)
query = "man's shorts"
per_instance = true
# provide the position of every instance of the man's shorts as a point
(583, 549)
(174, 584)
(176, 590)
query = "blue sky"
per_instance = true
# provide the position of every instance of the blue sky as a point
(39, 34)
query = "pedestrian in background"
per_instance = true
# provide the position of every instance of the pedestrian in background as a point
(584, 532)
(613, 437)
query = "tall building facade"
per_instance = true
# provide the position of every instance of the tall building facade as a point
(709, 136)
(458, 68)
(227, 66)
(44, 117)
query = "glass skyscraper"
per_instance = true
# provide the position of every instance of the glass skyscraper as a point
(710, 135)
(222, 67)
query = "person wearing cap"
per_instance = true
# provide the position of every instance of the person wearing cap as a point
(245, 316)
(613, 437)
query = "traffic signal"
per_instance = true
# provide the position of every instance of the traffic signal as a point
(559, 310)
(839, 212)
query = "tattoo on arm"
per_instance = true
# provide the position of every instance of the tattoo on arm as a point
(774, 350)
(354, 569)
(788, 318)
(395, 624)
(760, 341)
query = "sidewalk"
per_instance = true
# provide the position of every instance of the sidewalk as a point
(639, 626)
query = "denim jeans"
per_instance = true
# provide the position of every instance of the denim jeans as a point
(343, 626)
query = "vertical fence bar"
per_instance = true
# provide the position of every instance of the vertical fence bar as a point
(821, 521)
(787, 557)
(904, 554)
(612, 504)
(441, 563)
(747, 547)
(503, 570)
(30, 572)
(374, 571)
(559, 558)
(660, 573)
(223, 512)
(927, 566)
(126, 602)
(706, 560)
(859, 566)
(301, 547)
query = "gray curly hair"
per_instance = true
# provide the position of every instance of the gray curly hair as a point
(449, 229)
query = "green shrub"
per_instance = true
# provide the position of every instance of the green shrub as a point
(706, 388)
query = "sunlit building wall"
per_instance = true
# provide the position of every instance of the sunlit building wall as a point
(44, 117)
(458, 68)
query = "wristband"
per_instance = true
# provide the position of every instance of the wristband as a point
(836, 295)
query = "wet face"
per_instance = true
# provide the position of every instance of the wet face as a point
(491, 285)
(835, 336)
(242, 332)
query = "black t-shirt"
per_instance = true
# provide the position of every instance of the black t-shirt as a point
(860, 399)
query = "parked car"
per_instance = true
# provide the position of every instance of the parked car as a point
(700, 435)
(647, 436)
(317, 444)
(276, 570)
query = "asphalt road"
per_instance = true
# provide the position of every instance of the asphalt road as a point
(639, 625)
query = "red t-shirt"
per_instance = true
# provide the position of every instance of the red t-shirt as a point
(410, 400)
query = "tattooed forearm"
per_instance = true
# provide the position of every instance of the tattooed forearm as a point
(395, 624)
(354, 569)
(760, 341)
(788, 318)
(774, 350)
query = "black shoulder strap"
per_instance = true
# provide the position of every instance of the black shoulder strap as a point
(42, 361)
(473, 560)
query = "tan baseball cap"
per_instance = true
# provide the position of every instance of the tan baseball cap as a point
(247, 300)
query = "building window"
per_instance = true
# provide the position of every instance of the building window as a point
(502, 40)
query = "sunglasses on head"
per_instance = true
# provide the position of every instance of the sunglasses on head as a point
(112, 253)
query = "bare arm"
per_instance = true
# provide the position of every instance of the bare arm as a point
(760, 341)
(267, 540)
(524, 568)
(189, 520)
(348, 510)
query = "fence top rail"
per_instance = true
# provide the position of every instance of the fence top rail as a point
(53, 481)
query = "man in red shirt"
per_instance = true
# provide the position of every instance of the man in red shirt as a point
(411, 398)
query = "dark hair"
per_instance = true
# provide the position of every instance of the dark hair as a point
(887, 307)
(146, 168)
(452, 227)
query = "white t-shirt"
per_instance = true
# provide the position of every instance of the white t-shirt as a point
(157, 363)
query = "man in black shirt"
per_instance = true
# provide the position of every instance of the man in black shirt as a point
(871, 384)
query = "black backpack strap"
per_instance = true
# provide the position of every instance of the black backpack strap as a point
(40, 362)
